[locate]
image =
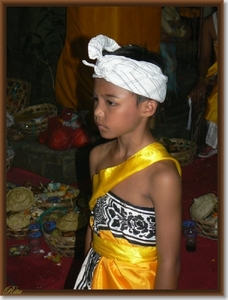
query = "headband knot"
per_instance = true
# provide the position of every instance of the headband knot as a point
(140, 77)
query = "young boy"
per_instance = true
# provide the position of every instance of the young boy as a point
(133, 239)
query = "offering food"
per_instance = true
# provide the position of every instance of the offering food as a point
(56, 190)
(56, 194)
(35, 212)
(19, 250)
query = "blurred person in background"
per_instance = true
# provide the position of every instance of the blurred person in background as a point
(207, 81)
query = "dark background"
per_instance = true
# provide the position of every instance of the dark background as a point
(35, 38)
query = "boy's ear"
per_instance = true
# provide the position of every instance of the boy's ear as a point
(150, 107)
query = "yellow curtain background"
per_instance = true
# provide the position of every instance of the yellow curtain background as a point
(139, 25)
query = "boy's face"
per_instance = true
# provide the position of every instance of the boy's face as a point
(115, 109)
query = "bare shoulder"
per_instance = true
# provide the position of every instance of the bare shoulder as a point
(100, 150)
(164, 167)
(165, 181)
(98, 155)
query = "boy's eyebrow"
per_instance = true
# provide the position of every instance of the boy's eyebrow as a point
(107, 95)
(110, 95)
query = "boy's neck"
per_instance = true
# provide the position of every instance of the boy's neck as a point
(124, 147)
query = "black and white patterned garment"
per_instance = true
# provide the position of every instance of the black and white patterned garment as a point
(134, 223)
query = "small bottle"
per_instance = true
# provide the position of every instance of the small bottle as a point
(188, 224)
(35, 241)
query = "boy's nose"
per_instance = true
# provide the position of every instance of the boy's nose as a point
(98, 110)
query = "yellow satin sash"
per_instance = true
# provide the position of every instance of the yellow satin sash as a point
(127, 273)
(123, 266)
(126, 253)
(106, 179)
(212, 100)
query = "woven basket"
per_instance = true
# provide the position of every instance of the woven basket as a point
(19, 234)
(34, 119)
(185, 151)
(67, 246)
(18, 95)
(204, 211)
(207, 229)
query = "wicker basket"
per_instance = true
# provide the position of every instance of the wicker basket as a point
(34, 119)
(19, 234)
(18, 95)
(204, 211)
(207, 228)
(185, 151)
(67, 246)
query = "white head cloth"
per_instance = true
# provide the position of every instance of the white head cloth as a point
(140, 77)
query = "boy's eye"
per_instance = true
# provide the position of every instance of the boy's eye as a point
(110, 103)
(94, 98)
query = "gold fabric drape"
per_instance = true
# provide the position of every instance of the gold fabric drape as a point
(124, 265)
(139, 25)
(108, 178)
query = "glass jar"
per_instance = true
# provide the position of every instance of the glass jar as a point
(35, 241)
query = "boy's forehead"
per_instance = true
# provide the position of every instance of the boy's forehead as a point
(103, 89)
(100, 83)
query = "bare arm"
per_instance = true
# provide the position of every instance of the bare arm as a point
(88, 239)
(167, 193)
(92, 160)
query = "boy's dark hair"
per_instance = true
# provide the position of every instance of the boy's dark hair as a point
(140, 54)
